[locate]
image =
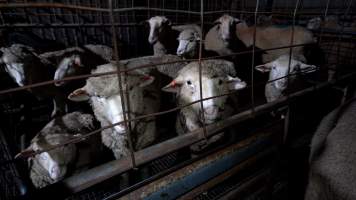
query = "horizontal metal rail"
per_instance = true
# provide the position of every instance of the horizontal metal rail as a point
(140, 67)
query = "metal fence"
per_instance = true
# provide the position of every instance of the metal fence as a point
(116, 23)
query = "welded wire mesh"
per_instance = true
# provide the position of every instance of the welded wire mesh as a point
(116, 24)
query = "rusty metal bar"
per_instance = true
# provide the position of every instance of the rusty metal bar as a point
(50, 5)
(253, 59)
(200, 68)
(126, 115)
(134, 68)
(95, 175)
(224, 176)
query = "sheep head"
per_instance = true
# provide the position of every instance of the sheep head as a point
(55, 161)
(105, 95)
(69, 66)
(226, 27)
(158, 24)
(215, 82)
(188, 43)
(15, 58)
(278, 70)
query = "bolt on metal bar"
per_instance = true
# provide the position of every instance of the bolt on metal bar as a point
(122, 95)
(200, 68)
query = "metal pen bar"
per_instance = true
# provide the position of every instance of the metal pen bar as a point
(135, 68)
(122, 95)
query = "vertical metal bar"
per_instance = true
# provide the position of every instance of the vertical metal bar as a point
(200, 70)
(340, 34)
(122, 96)
(253, 60)
(322, 25)
(287, 115)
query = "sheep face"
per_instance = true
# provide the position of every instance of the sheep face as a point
(186, 85)
(55, 161)
(188, 43)
(157, 26)
(314, 23)
(69, 66)
(278, 71)
(14, 59)
(226, 27)
(106, 99)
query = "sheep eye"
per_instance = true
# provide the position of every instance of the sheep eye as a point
(191, 40)
(189, 82)
(220, 82)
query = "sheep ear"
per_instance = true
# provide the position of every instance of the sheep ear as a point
(146, 80)
(237, 21)
(307, 68)
(79, 95)
(166, 21)
(172, 87)
(263, 68)
(234, 83)
(216, 22)
(24, 153)
(77, 61)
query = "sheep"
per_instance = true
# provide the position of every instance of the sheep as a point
(78, 61)
(265, 39)
(221, 38)
(52, 166)
(26, 67)
(278, 69)
(217, 79)
(189, 41)
(330, 22)
(103, 93)
(332, 160)
(162, 36)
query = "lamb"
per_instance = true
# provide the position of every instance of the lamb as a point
(103, 93)
(162, 36)
(332, 158)
(217, 79)
(189, 40)
(26, 67)
(278, 69)
(49, 167)
(78, 60)
(221, 38)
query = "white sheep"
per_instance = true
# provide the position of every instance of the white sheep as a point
(26, 67)
(278, 72)
(330, 22)
(217, 79)
(103, 93)
(162, 36)
(52, 166)
(221, 38)
(189, 40)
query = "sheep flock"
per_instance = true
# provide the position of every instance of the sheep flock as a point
(172, 77)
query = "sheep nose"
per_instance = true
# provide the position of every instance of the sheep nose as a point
(55, 172)
(180, 52)
(212, 110)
